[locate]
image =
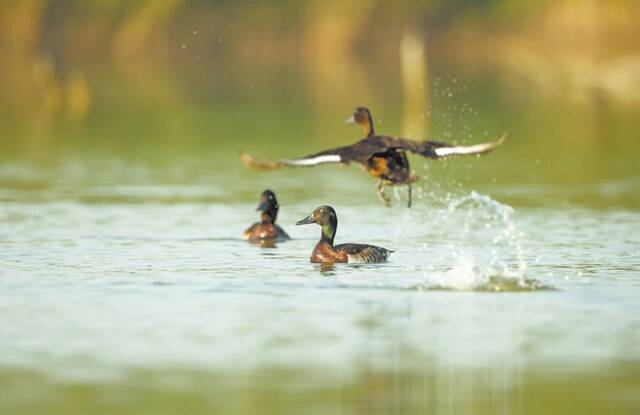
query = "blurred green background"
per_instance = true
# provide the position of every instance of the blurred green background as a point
(160, 79)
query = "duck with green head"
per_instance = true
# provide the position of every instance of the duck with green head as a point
(383, 157)
(266, 229)
(326, 251)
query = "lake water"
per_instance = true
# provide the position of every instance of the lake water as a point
(126, 288)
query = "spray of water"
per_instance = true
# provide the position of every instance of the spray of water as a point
(477, 243)
(470, 241)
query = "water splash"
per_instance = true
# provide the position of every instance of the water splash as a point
(482, 244)
(466, 275)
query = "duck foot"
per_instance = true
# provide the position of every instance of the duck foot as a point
(382, 196)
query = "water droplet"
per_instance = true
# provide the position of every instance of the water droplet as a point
(195, 32)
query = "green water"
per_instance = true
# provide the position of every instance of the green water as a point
(126, 286)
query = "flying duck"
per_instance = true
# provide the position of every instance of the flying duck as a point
(383, 157)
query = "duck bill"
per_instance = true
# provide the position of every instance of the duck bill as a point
(263, 206)
(309, 219)
(350, 120)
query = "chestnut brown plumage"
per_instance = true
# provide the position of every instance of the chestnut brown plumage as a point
(266, 229)
(325, 251)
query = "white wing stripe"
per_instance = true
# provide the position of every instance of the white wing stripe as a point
(478, 148)
(329, 158)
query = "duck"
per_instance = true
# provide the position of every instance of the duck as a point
(383, 157)
(326, 252)
(266, 229)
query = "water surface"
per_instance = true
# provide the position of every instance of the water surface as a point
(127, 285)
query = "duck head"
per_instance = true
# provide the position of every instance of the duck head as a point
(268, 207)
(326, 217)
(362, 117)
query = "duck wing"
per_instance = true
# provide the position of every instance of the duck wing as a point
(437, 150)
(358, 152)
(361, 253)
(335, 155)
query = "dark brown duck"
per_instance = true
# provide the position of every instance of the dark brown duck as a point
(266, 229)
(383, 157)
(325, 251)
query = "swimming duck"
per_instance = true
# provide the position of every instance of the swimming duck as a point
(383, 157)
(325, 251)
(266, 229)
